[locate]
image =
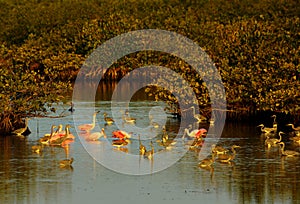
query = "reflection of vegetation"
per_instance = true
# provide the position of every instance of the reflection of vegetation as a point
(253, 44)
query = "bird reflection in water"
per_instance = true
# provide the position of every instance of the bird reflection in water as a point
(207, 163)
(95, 136)
(37, 149)
(121, 149)
(228, 158)
(66, 163)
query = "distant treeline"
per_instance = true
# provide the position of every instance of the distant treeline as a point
(254, 45)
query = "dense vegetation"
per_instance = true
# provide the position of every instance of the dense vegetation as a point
(254, 44)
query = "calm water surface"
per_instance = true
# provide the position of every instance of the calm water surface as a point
(258, 175)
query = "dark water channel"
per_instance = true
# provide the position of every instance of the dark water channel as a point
(257, 175)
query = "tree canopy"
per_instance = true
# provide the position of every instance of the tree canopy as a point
(254, 45)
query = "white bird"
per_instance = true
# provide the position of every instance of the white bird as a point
(88, 127)
(294, 128)
(96, 135)
(20, 131)
(288, 153)
(267, 130)
(196, 133)
(198, 117)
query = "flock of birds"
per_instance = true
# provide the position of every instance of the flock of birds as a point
(120, 138)
(221, 154)
(271, 142)
(58, 137)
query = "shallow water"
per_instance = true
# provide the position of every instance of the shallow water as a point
(258, 175)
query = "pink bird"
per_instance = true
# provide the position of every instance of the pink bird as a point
(62, 139)
(95, 136)
(67, 142)
(59, 134)
(89, 127)
(197, 133)
(121, 134)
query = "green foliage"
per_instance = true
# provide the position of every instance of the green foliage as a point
(254, 45)
(25, 90)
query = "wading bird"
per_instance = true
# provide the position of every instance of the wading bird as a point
(62, 139)
(20, 131)
(121, 134)
(198, 142)
(218, 149)
(207, 162)
(227, 158)
(96, 135)
(108, 120)
(288, 153)
(88, 127)
(128, 119)
(273, 141)
(71, 109)
(45, 140)
(200, 118)
(267, 130)
(274, 123)
(59, 129)
(294, 128)
(194, 133)
(166, 142)
(60, 133)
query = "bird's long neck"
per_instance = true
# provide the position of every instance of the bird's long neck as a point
(59, 129)
(295, 128)
(52, 131)
(280, 137)
(187, 132)
(94, 120)
(104, 134)
(274, 119)
(233, 152)
(67, 131)
(262, 128)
